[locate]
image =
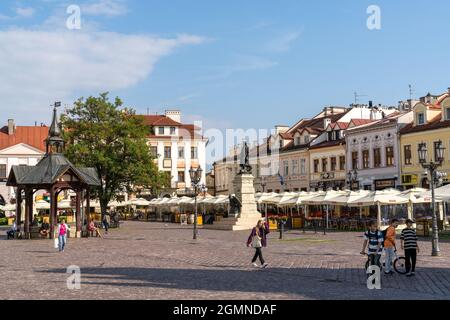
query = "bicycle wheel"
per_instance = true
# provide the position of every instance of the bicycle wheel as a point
(400, 265)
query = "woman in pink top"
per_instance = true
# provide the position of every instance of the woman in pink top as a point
(62, 230)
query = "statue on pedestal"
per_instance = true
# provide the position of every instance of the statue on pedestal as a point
(244, 164)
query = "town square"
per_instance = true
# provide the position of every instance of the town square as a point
(238, 158)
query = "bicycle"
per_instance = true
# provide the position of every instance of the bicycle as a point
(369, 261)
(399, 263)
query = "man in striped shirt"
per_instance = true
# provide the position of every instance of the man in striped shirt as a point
(409, 244)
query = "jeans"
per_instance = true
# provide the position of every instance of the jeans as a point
(62, 242)
(258, 254)
(411, 258)
(390, 255)
(106, 225)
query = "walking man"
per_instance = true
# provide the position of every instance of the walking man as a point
(409, 244)
(389, 246)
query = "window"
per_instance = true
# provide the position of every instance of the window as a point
(377, 157)
(342, 163)
(302, 166)
(181, 176)
(154, 151)
(355, 160)
(408, 155)
(389, 156)
(330, 136)
(420, 118)
(306, 139)
(167, 152)
(194, 153)
(447, 114)
(2, 171)
(366, 160)
(286, 168)
(324, 165)
(161, 130)
(333, 163)
(294, 167)
(297, 141)
(281, 144)
(172, 131)
(316, 166)
(181, 152)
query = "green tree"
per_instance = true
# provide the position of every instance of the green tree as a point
(113, 139)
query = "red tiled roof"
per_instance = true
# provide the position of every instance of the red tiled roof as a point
(340, 125)
(158, 120)
(434, 124)
(32, 136)
(359, 122)
(286, 136)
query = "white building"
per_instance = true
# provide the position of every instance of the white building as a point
(373, 151)
(177, 147)
(19, 145)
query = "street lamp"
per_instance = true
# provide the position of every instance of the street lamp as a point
(352, 178)
(196, 176)
(432, 167)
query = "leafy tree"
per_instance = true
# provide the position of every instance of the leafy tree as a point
(104, 135)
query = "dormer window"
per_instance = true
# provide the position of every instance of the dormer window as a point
(420, 118)
(306, 139)
(297, 141)
(447, 114)
(161, 130)
(172, 131)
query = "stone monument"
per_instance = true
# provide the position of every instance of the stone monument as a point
(243, 209)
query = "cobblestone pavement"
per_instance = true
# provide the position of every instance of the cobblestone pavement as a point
(157, 261)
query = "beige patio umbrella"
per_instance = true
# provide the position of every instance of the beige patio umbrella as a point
(42, 205)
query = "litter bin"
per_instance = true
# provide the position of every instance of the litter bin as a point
(423, 228)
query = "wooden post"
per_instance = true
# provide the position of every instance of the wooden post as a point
(18, 207)
(88, 206)
(28, 211)
(78, 213)
(53, 200)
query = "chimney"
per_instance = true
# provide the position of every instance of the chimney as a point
(326, 122)
(175, 115)
(370, 104)
(11, 127)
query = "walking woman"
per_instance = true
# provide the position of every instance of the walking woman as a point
(258, 240)
(62, 230)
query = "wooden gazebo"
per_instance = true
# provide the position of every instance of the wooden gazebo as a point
(55, 174)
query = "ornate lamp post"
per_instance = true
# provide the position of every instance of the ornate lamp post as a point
(432, 167)
(196, 176)
(352, 178)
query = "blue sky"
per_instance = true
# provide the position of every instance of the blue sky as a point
(239, 64)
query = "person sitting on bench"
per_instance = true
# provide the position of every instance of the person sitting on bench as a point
(44, 230)
(12, 232)
(92, 228)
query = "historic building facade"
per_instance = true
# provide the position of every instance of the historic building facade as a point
(21, 146)
(177, 147)
(431, 123)
(373, 151)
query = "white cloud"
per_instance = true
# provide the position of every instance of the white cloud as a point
(25, 12)
(283, 43)
(108, 8)
(41, 66)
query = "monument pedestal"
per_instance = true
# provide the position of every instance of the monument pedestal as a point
(247, 220)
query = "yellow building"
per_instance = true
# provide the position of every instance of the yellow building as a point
(431, 124)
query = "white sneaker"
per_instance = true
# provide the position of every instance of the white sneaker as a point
(265, 265)
(255, 265)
